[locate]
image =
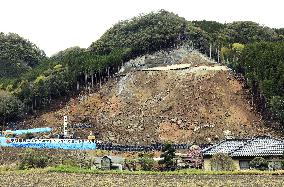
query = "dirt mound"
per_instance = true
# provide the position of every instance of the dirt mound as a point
(195, 101)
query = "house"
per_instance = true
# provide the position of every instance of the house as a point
(108, 162)
(242, 151)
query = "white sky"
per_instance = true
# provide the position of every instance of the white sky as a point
(54, 25)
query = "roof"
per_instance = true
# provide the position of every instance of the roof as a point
(226, 146)
(114, 159)
(258, 146)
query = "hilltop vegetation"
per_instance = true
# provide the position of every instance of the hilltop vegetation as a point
(35, 80)
(17, 56)
(143, 34)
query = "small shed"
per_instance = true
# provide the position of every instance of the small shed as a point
(106, 163)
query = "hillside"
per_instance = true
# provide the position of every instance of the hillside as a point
(33, 81)
(180, 96)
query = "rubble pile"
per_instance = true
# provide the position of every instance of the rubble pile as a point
(195, 102)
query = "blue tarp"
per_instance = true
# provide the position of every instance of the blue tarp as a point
(45, 145)
(49, 145)
(35, 130)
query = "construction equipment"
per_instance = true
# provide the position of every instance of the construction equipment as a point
(8, 134)
(92, 137)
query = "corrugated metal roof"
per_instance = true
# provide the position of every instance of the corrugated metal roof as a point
(258, 146)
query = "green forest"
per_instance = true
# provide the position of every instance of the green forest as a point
(30, 81)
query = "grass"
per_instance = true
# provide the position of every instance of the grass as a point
(72, 169)
(75, 176)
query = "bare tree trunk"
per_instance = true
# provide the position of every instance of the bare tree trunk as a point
(92, 77)
(32, 105)
(100, 79)
(35, 103)
(218, 54)
(78, 86)
(86, 79)
(210, 51)
(108, 72)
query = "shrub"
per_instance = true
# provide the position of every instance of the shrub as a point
(79, 159)
(259, 163)
(32, 159)
(222, 161)
(147, 163)
(131, 165)
(282, 164)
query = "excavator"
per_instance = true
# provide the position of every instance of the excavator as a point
(8, 134)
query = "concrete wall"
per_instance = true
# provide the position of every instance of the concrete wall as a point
(207, 165)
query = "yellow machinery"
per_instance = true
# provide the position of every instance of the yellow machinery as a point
(91, 137)
(8, 134)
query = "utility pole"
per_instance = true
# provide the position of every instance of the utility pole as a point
(65, 126)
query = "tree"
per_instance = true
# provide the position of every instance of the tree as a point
(263, 66)
(10, 107)
(17, 55)
(280, 32)
(143, 34)
(195, 157)
(209, 26)
(222, 161)
(147, 163)
(168, 156)
(277, 107)
(248, 32)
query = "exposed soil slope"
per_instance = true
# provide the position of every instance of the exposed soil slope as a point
(191, 99)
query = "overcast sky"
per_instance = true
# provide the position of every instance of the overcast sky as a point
(54, 25)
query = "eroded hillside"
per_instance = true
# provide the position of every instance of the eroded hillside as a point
(179, 96)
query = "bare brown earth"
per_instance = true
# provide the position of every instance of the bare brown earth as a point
(72, 179)
(186, 105)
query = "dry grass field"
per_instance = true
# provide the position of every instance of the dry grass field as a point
(51, 179)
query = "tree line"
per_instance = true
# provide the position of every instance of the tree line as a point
(262, 64)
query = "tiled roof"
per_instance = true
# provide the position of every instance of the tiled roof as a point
(226, 146)
(258, 146)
